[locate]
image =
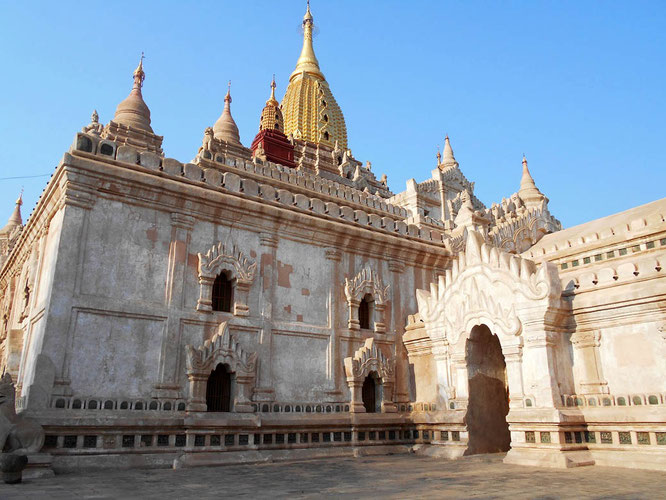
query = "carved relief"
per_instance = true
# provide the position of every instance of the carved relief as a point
(369, 358)
(367, 281)
(225, 257)
(222, 348)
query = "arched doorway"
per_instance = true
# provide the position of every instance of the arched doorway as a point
(370, 392)
(218, 389)
(488, 402)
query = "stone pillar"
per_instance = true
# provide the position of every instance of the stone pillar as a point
(587, 357)
(197, 389)
(354, 323)
(268, 274)
(462, 383)
(356, 388)
(388, 405)
(168, 384)
(539, 363)
(396, 325)
(205, 302)
(442, 200)
(513, 356)
(333, 256)
(379, 320)
(243, 396)
(440, 353)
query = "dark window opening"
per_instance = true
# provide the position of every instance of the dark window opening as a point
(326, 136)
(222, 293)
(325, 118)
(218, 389)
(277, 126)
(365, 310)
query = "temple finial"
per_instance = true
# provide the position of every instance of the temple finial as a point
(439, 156)
(307, 62)
(273, 86)
(139, 74)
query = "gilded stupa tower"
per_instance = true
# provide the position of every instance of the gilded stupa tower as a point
(309, 108)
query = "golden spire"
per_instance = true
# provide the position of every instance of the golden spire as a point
(309, 109)
(271, 116)
(307, 62)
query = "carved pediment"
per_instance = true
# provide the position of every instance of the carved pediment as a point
(222, 348)
(366, 281)
(486, 285)
(227, 257)
(367, 359)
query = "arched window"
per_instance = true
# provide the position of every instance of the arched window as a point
(218, 389)
(365, 312)
(326, 136)
(222, 293)
(325, 118)
(277, 126)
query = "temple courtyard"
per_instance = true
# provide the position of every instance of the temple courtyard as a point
(396, 476)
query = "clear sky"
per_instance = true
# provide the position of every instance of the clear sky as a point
(578, 86)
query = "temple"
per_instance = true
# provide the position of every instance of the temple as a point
(280, 301)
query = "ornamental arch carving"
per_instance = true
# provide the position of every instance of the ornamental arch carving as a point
(225, 257)
(367, 283)
(224, 349)
(517, 300)
(368, 359)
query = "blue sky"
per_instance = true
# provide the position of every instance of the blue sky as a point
(578, 86)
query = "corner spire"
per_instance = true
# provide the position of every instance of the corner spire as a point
(133, 111)
(528, 191)
(15, 219)
(448, 160)
(225, 128)
(307, 62)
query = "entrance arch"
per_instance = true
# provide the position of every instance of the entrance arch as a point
(218, 389)
(488, 403)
